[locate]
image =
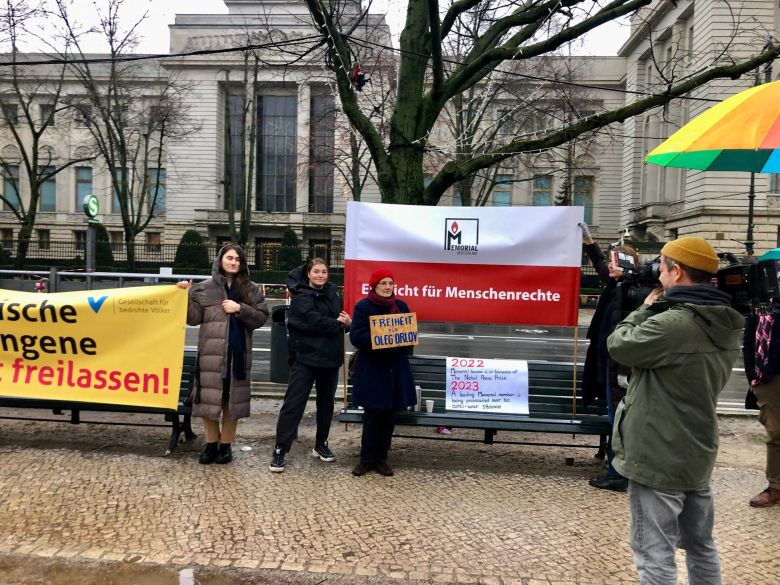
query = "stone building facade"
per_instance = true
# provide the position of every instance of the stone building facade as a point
(301, 154)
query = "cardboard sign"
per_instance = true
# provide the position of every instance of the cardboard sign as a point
(480, 385)
(394, 330)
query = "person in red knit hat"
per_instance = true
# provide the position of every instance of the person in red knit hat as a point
(383, 382)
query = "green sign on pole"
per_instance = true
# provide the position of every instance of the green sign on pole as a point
(91, 206)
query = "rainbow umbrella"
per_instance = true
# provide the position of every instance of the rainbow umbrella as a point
(742, 133)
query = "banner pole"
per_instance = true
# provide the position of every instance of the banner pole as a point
(574, 372)
(344, 379)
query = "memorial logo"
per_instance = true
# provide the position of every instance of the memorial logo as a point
(461, 235)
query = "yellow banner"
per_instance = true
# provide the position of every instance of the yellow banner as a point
(117, 346)
(393, 330)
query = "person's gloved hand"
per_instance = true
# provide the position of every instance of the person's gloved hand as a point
(586, 237)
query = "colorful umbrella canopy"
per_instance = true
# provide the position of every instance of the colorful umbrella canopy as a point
(771, 255)
(742, 133)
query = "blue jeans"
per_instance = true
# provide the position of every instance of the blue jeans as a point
(664, 520)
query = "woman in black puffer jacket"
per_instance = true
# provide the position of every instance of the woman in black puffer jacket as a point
(316, 324)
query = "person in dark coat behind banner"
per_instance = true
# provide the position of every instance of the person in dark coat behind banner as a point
(316, 324)
(761, 350)
(602, 376)
(383, 382)
(228, 307)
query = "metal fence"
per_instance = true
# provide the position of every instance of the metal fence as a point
(264, 256)
(268, 261)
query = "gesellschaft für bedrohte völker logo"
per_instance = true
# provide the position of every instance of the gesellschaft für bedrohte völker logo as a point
(461, 235)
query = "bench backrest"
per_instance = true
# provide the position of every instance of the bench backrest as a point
(549, 386)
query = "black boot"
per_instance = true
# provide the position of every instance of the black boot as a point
(209, 454)
(225, 453)
(615, 483)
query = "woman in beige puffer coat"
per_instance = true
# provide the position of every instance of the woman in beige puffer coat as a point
(228, 307)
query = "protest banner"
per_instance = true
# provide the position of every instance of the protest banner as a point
(480, 385)
(116, 346)
(393, 330)
(518, 265)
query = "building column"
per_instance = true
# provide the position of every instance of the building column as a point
(304, 117)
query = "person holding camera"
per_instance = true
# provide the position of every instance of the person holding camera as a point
(603, 377)
(681, 345)
(761, 351)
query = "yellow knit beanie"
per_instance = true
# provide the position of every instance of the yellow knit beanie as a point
(692, 251)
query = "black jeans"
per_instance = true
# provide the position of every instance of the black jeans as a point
(298, 389)
(378, 425)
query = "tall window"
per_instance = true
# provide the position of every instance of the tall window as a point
(116, 241)
(44, 239)
(321, 133)
(83, 185)
(47, 114)
(583, 195)
(11, 113)
(276, 153)
(83, 114)
(7, 238)
(234, 152)
(542, 194)
(505, 122)
(11, 188)
(48, 200)
(502, 192)
(153, 243)
(157, 190)
(774, 183)
(80, 238)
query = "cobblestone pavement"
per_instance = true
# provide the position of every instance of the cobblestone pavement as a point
(453, 513)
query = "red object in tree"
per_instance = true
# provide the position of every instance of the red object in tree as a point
(358, 77)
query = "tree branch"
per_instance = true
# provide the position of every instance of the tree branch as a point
(453, 172)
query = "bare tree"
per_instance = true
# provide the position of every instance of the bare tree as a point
(33, 104)
(130, 108)
(524, 30)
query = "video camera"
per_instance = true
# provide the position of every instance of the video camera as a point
(749, 285)
(637, 281)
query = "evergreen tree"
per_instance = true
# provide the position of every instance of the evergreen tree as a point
(191, 252)
(290, 253)
(104, 256)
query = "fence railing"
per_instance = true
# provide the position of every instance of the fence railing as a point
(264, 256)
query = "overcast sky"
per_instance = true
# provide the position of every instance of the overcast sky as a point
(161, 13)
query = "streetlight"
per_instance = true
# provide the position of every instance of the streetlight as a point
(749, 241)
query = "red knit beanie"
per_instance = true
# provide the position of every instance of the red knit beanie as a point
(378, 275)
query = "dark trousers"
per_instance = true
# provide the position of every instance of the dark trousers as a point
(378, 425)
(298, 389)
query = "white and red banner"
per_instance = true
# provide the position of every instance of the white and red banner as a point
(516, 265)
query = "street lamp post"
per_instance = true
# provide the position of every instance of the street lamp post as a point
(749, 241)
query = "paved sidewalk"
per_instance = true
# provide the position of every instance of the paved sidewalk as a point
(453, 513)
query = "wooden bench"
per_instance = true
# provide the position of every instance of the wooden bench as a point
(549, 405)
(183, 409)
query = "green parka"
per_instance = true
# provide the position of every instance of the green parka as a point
(681, 350)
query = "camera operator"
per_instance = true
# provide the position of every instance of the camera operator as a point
(681, 344)
(602, 376)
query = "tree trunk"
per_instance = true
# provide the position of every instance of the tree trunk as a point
(354, 150)
(23, 243)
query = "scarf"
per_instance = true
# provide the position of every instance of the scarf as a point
(388, 302)
(764, 369)
(236, 336)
